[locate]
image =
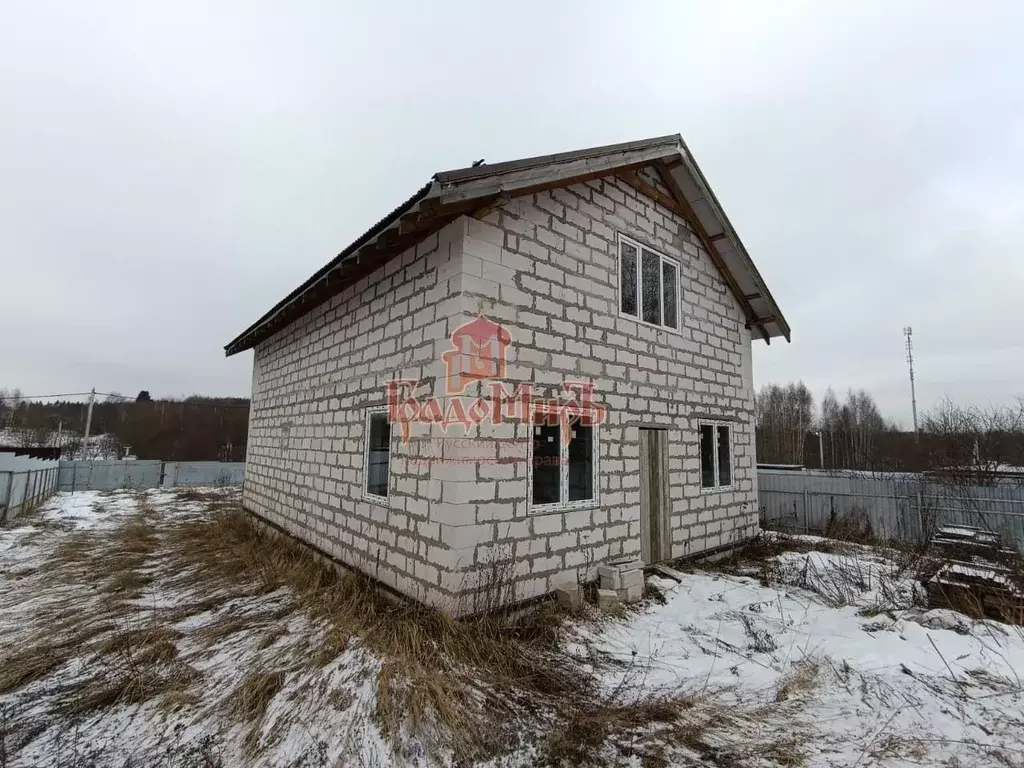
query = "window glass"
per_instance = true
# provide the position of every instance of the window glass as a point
(378, 454)
(581, 463)
(648, 286)
(724, 458)
(669, 294)
(627, 278)
(546, 464)
(707, 456)
(650, 269)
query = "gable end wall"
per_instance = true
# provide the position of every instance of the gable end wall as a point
(545, 266)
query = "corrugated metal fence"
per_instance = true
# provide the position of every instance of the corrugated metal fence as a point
(908, 507)
(138, 474)
(24, 482)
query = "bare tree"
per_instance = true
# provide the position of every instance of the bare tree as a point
(10, 403)
(5, 406)
(977, 445)
(783, 416)
(967, 448)
(109, 447)
(23, 437)
(852, 431)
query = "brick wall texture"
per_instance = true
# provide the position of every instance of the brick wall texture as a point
(456, 525)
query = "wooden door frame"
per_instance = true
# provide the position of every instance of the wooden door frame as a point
(655, 544)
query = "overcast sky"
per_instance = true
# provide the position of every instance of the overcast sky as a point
(168, 171)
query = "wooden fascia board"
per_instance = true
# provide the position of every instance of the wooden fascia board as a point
(632, 178)
(687, 212)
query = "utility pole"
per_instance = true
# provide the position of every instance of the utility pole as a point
(88, 424)
(908, 331)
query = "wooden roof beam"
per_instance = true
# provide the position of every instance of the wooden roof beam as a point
(632, 178)
(690, 215)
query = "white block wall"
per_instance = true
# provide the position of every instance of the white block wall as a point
(545, 266)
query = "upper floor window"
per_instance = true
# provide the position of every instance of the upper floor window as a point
(648, 285)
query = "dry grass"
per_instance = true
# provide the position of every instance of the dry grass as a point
(472, 688)
(457, 684)
(151, 644)
(115, 559)
(250, 699)
(132, 684)
(42, 655)
(211, 634)
(36, 662)
(125, 660)
(801, 678)
(853, 527)
(128, 665)
(640, 729)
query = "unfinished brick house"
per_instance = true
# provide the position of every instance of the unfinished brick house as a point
(608, 278)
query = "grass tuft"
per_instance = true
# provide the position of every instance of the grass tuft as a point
(249, 701)
(801, 678)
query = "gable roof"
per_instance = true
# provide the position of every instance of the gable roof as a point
(450, 194)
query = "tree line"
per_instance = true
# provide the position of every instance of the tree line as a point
(194, 428)
(852, 434)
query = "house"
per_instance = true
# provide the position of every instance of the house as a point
(523, 371)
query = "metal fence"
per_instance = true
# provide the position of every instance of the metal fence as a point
(140, 474)
(907, 507)
(24, 482)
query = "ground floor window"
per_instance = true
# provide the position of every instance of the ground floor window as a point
(377, 458)
(563, 466)
(715, 455)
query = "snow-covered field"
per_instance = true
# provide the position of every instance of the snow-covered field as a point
(113, 654)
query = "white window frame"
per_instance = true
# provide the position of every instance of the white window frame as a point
(367, 496)
(640, 248)
(731, 426)
(563, 478)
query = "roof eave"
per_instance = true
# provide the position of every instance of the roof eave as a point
(244, 341)
(453, 193)
(750, 284)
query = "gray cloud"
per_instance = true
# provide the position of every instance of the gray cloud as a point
(169, 173)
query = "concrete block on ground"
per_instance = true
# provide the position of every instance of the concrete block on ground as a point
(623, 576)
(607, 598)
(569, 595)
(634, 578)
(631, 594)
(625, 563)
(610, 577)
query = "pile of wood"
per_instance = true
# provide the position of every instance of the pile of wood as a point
(975, 574)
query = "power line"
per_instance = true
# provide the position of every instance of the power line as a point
(43, 397)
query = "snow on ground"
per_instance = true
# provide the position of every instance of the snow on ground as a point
(328, 728)
(812, 658)
(855, 687)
